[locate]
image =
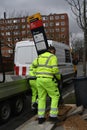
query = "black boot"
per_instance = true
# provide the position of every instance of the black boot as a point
(41, 120)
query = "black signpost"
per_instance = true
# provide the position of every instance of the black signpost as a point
(38, 33)
(2, 72)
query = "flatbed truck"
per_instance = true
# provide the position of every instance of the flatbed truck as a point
(13, 94)
(15, 88)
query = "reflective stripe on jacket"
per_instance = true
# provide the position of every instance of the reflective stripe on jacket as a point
(46, 65)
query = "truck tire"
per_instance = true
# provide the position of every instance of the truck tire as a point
(5, 111)
(18, 105)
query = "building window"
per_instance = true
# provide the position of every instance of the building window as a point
(18, 20)
(62, 29)
(8, 39)
(62, 36)
(51, 18)
(28, 26)
(51, 36)
(8, 27)
(57, 29)
(57, 17)
(9, 21)
(7, 33)
(15, 21)
(23, 26)
(62, 23)
(11, 27)
(52, 30)
(46, 24)
(46, 30)
(57, 23)
(62, 16)
(28, 32)
(2, 28)
(10, 51)
(51, 24)
(16, 39)
(2, 34)
(45, 18)
(23, 20)
(16, 33)
(16, 27)
(23, 32)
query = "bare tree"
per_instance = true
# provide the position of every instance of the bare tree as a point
(79, 9)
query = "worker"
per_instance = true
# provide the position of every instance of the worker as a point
(34, 98)
(58, 83)
(46, 68)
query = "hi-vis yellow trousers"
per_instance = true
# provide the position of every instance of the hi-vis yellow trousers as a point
(34, 91)
(47, 86)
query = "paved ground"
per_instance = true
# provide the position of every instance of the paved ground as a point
(72, 120)
(70, 116)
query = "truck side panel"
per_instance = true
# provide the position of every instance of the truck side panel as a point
(12, 88)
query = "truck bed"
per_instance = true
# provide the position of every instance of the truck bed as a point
(18, 85)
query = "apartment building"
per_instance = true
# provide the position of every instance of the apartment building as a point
(16, 29)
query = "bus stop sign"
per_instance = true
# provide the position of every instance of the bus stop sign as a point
(38, 33)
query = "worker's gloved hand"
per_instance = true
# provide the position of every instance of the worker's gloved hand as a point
(27, 76)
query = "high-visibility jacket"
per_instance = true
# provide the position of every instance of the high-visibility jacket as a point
(32, 72)
(47, 66)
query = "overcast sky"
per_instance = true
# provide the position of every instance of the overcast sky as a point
(45, 7)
